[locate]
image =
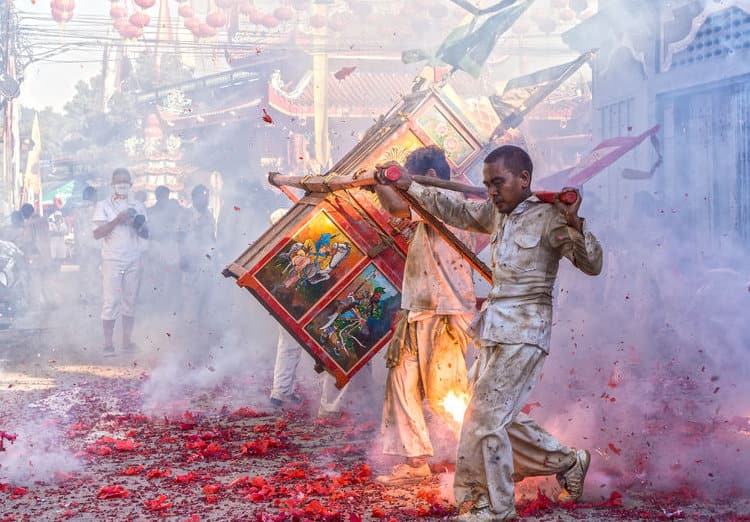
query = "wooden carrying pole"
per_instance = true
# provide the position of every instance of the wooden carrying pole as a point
(334, 182)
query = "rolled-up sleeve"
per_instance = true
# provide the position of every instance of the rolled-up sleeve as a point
(582, 249)
(475, 216)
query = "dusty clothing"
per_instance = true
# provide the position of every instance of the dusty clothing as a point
(436, 278)
(431, 365)
(426, 357)
(498, 444)
(513, 331)
(526, 248)
(285, 369)
(123, 244)
(355, 398)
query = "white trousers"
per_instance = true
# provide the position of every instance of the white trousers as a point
(431, 365)
(498, 444)
(285, 369)
(120, 283)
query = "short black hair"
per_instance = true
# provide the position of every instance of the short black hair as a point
(89, 194)
(161, 192)
(123, 172)
(27, 209)
(423, 159)
(199, 190)
(514, 158)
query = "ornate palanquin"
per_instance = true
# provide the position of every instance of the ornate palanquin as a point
(330, 270)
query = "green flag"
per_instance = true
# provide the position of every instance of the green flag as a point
(470, 51)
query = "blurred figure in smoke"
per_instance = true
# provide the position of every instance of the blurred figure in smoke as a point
(426, 358)
(499, 444)
(163, 267)
(120, 223)
(197, 241)
(87, 248)
(35, 244)
(333, 401)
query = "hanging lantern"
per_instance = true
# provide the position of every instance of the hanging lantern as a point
(270, 21)
(206, 31)
(225, 4)
(247, 8)
(120, 24)
(140, 19)
(64, 5)
(283, 13)
(145, 4)
(256, 17)
(317, 21)
(117, 12)
(300, 5)
(191, 24)
(578, 6)
(336, 22)
(185, 11)
(132, 31)
(60, 16)
(216, 19)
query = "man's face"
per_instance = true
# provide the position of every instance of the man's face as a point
(505, 189)
(121, 184)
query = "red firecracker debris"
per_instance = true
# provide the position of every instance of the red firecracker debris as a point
(266, 117)
(158, 504)
(614, 449)
(115, 491)
(530, 406)
(344, 72)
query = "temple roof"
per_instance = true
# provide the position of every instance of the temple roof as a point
(358, 95)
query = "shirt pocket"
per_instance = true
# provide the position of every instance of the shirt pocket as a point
(524, 253)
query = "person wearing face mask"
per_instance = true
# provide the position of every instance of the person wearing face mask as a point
(120, 224)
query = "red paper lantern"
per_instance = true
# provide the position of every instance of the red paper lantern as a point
(132, 31)
(216, 19)
(145, 4)
(185, 11)
(257, 17)
(270, 21)
(283, 13)
(246, 8)
(317, 21)
(60, 16)
(63, 5)
(120, 25)
(225, 4)
(140, 19)
(117, 12)
(206, 31)
(191, 24)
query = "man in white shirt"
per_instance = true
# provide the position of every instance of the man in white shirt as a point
(120, 223)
